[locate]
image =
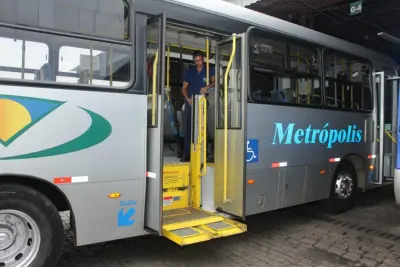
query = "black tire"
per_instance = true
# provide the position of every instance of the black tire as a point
(43, 213)
(335, 204)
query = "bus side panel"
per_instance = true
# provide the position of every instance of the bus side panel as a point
(91, 144)
(153, 212)
(293, 145)
(100, 219)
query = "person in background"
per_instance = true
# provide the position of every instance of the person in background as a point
(195, 83)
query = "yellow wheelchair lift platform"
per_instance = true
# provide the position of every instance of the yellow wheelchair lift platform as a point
(184, 222)
(189, 225)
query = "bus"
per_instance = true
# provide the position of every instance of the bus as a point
(92, 122)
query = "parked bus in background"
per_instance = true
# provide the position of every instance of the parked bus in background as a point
(91, 121)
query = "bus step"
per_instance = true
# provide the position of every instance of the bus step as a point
(195, 226)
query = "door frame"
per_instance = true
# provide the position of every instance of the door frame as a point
(233, 206)
(379, 88)
(154, 185)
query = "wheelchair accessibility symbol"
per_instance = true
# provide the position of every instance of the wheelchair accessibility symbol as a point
(252, 151)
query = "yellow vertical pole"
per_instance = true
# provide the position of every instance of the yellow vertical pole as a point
(228, 68)
(196, 152)
(204, 110)
(168, 75)
(208, 59)
(154, 91)
(199, 146)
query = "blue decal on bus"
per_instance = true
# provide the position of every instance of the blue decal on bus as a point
(309, 135)
(125, 203)
(252, 151)
(125, 219)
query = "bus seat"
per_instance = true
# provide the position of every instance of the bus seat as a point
(47, 75)
(84, 76)
(38, 75)
(44, 73)
(170, 130)
(279, 96)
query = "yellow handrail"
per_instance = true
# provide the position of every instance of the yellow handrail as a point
(208, 59)
(203, 119)
(390, 136)
(203, 105)
(184, 47)
(168, 76)
(226, 117)
(154, 91)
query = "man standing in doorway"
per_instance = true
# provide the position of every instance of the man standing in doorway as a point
(195, 83)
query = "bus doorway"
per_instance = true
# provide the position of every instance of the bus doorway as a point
(387, 125)
(184, 219)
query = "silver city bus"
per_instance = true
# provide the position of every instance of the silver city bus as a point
(91, 121)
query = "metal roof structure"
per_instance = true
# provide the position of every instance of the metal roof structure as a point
(333, 17)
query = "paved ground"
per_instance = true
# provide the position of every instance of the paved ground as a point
(303, 236)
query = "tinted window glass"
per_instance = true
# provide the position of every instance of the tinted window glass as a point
(106, 18)
(347, 82)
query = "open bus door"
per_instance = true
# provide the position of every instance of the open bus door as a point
(397, 134)
(386, 89)
(230, 137)
(156, 77)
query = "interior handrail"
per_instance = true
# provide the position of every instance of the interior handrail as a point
(228, 68)
(168, 87)
(208, 60)
(203, 120)
(391, 136)
(154, 91)
(203, 105)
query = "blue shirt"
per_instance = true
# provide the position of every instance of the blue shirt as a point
(197, 80)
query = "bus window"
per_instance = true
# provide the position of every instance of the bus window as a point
(234, 83)
(25, 55)
(268, 51)
(283, 71)
(303, 58)
(21, 59)
(107, 65)
(347, 83)
(101, 18)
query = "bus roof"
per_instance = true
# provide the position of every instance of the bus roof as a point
(248, 17)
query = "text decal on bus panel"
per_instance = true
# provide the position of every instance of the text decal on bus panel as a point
(290, 134)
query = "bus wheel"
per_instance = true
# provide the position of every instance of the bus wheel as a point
(343, 188)
(31, 229)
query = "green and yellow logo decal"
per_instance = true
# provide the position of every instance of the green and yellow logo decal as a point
(19, 114)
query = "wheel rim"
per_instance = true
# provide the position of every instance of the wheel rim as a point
(19, 239)
(344, 186)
